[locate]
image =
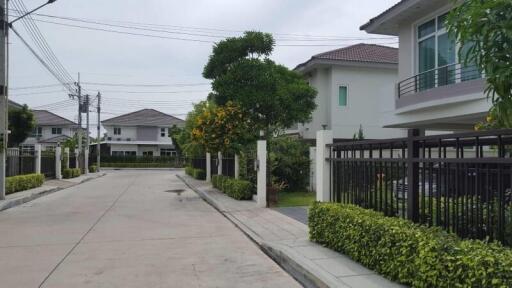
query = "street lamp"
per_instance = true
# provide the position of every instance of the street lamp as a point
(32, 11)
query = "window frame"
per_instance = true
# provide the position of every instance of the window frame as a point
(163, 132)
(117, 131)
(346, 96)
(55, 130)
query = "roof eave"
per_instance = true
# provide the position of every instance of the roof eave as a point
(317, 62)
(386, 23)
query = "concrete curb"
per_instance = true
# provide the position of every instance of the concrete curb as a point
(285, 258)
(10, 203)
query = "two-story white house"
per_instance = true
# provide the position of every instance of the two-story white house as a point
(354, 86)
(140, 133)
(50, 130)
(434, 90)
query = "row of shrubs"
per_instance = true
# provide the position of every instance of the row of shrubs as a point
(23, 182)
(408, 253)
(198, 174)
(137, 165)
(234, 188)
(93, 169)
(68, 173)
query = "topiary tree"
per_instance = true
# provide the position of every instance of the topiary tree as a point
(21, 124)
(272, 96)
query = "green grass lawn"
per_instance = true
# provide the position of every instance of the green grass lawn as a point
(292, 199)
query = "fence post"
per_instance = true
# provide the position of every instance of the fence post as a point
(66, 153)
(262, 174)
(323, 191)
(37, 151)
(208, 167)
(312, 169)
(77, 158)
(86, 161)
(219, 166)
(237, 166)
(58, 154)
(413, 175)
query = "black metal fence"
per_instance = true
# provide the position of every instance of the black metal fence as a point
(48, 164)
(73, 160)
(214, 164)
(438, 77)
(19, 162)
(228, 165)
(460, 182)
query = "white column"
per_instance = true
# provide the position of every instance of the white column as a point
(219, 166)
(37, 151)
(86, 161)
(77, 158)
(262, 174)
(312, 169)
(323, 138)
(237, 166)
(66, 153)
(58, 158)
(208, 167)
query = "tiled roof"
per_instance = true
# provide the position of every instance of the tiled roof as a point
(363, 27)
(144, 117)
(362, 53)
(56, 139)
(365, 53)
(46, 118)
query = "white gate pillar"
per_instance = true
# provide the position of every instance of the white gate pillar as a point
(237, 166)
(219, 166)
(58, 161)
(208, 167)
(262, 174)
(86, 161)
(37, 151)
(312, 169)
(66, 156)
(323, 138)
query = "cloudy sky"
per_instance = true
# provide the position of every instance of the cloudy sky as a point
(136, 71)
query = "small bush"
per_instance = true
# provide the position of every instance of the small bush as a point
(93, 169)
(71, 173)
(23, 182)
(237, 189)
(199, 174)
(189, 170)
(409, 253)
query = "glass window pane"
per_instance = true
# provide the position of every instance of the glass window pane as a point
(342, 97)
(441, 21)
(445, 50)
(427, 28)
(427, 57)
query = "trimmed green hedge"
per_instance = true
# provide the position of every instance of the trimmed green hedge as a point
(93, 169)
(198, 174)
(234, 188)
(136, 165)
(23, 182)
(71, 173)
(408, 253)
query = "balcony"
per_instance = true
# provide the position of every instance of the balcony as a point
(440, 83)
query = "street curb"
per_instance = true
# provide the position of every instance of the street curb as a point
(25, 199)
(283, 257)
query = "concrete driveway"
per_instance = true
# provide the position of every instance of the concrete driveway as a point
(128, 230)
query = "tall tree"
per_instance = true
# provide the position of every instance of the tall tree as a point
(21, 124)
(272, 96)
(483, 29)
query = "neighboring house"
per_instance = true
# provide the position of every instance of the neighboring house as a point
(354, 86)
(141, 133)
(15, 105)
(435, 91)
(50, 130)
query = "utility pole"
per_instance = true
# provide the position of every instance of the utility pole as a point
(4, 28)
(80, 109)
(98, 141)
(87, 139)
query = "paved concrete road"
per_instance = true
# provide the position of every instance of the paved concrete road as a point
(125, 230)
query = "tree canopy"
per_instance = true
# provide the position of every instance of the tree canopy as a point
(21, 124)
(272, 96)
(483, 29)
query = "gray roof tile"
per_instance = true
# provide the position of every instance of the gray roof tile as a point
(144, 117)
(46, 118)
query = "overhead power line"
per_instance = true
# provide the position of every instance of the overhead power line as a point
(35, 87)
(145, 85)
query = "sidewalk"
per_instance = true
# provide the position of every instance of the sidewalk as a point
(49, 186)
(286, 241)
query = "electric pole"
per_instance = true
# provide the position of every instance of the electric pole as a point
(4, 27)
(88, 138)
(98, 141)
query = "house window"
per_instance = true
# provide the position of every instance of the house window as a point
(167, 152)
(37, 132)
(130, 153)
(147, 153)
(436, 54)
(342, 96)
(162, 132)
(117, 131)
(56, 131)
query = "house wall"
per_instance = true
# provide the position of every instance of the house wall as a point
(369, 91)
(139, 134)
(126, 132)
